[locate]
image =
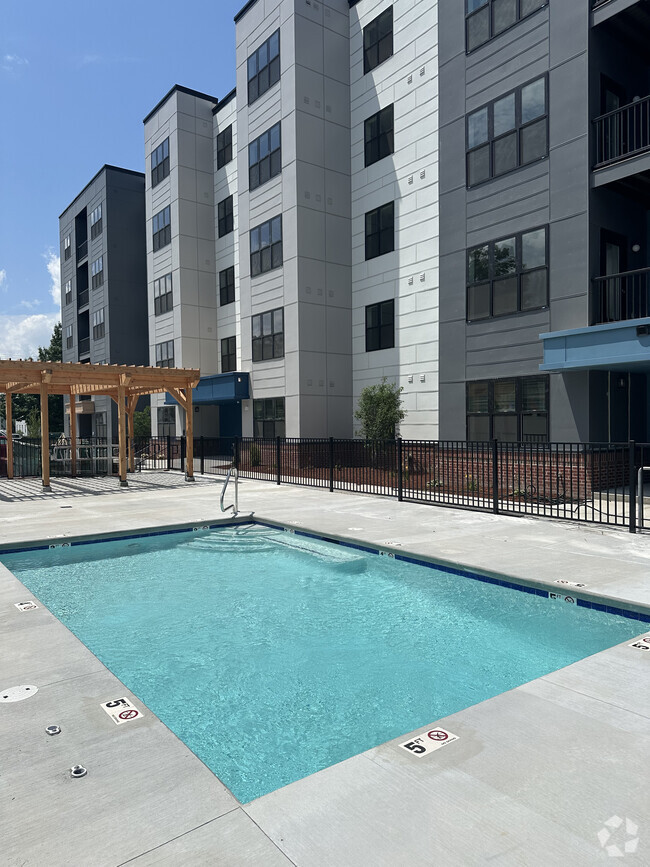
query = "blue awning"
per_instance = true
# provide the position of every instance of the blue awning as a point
(624, 345)
(219, 388)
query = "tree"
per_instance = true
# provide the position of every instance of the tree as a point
(380, 410)
(142, 422)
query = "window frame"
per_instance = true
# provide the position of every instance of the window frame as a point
(97, 274)
(96, 222)
(258, 345)
(160, 163)
(67, 292)
(229, 356)
(166, 421)
(99, 328)
(271, 153)
(225, 217)
(380, 307)
(163, 358)
(274, 69)
(517, 130)
(518, 273)
(379, 135)
(226, 286)
(269, 411)
(224, 147)
(162, 236)
(379, 214)
(69, 337)
(275, 247)
(67, 247)
(489, 4)
(369, 65)
(163, 301)
(519, 412)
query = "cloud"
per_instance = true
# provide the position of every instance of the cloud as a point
(30, 305)
(3, 280)
(54, 270)
(20, 336)
(12, 63)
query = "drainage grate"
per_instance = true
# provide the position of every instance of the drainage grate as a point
(17, 693)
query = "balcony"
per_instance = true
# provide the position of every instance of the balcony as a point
(623, 133)
(84, 346)
(82, 250)
(620, 297)
(82, 299)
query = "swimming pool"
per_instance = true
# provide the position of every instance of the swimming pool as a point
(272, 655)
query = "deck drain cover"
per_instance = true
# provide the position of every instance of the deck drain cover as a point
(78, 771)
(17, 693)
(53, 730)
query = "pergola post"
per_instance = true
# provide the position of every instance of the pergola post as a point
(189, 434)
(45, 432)
(131, 405)
(121, 430)
(10, 438)
(73, 435)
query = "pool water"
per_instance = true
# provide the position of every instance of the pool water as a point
(272, 655)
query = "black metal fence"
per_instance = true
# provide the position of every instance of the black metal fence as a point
(621, 296)
(623, 132)
(594, 482)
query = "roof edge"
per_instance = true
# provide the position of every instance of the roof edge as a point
(105, 167)
(182, 89)
(228, 98)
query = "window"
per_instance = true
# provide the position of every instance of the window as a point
(165, 354)
(162, 228)
(510, 132)
(487, 18)
(266, 246)
(162, 295)
(225, 217)
(228, 354)
(96, 223)
(264, 157)
(380, 326)
(380, 232)
(224, 147)
(378, 40)
(227, 286)
(166, 421)
(378, 136)
(68, 292)
(97, 270)
(268, 335)
(510, 410)
(268, 417)
(100, 425)
(508, 276)
(264, 67)
(68, 337)
(98, 324)
(160, 163)
(67, 248)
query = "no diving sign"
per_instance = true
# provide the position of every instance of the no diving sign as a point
(642, 643)
(120, 710)
(429, 742)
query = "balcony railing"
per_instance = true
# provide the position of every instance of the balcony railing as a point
(621, 296)
(82, 250)
(596, 3)
(82, 298)
(623, 133)
(84, 346)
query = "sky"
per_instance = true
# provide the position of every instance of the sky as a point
(76, 81)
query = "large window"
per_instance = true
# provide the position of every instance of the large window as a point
(228, 354)
(97, 271)
(510, 132)
(268, 335)
(68, 337)
(67, 248)
(96, 222)
(166, 421)
(487, 18)
(378, 40)
(100, 425)
(509, 410)
(163, 300)
(162, 228)
(266, 246)
(224, 147)
(264, 157)
(160, 163)
(264, 67)
(227, 286)
(165, 354)
(268, 417)
(225, 217)
(98, 324)
(508, 276)
(68, 292)
(380, 326)
(380, 231)
(378, 136)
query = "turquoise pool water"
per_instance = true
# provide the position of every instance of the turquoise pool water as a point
(272, 655)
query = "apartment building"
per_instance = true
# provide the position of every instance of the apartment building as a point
(104, 285)
(544, 205)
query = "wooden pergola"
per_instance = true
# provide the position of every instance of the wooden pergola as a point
(123, 383)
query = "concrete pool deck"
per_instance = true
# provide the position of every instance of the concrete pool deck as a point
(535, 775)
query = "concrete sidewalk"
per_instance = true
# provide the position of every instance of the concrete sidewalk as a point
(533, 778)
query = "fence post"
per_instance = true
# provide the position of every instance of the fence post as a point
(400, 491)
(235, 447)
(495, 477)
(331, 464)
(169, 452)
(277, 459)
(632, 481)
(202, 456)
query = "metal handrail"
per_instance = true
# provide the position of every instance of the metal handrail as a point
(232, 472)
(623, 132)
(618, 297)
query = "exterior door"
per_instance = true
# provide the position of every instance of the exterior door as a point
(613, 263)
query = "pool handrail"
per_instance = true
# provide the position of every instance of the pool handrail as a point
(232, 473)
